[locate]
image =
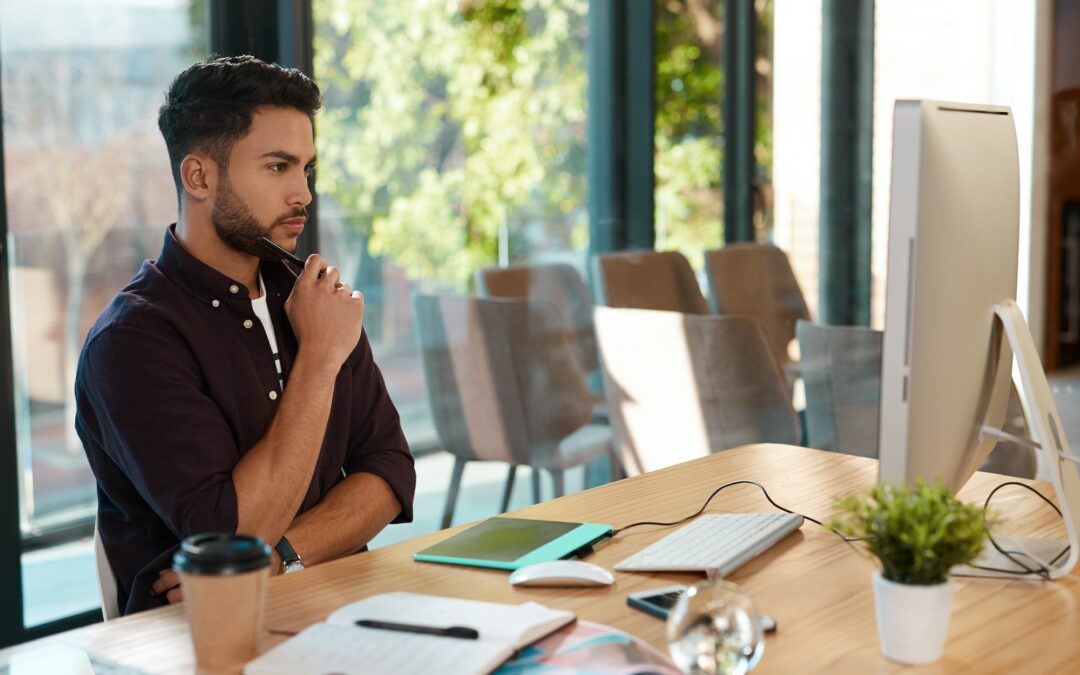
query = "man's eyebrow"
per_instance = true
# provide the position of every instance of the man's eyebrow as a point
(286, 156)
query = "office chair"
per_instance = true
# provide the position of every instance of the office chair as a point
(661, 280)
(757, 280)
(505, 382)
(841, 366)
(561, 285)
(557, 283)
(110, 606)
(681, 386)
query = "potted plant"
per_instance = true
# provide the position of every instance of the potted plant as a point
(918, 533)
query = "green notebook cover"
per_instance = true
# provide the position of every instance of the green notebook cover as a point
(510, 543)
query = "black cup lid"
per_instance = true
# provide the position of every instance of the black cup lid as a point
(221, 553)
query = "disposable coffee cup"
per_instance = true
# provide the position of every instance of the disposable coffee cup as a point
(223, 581)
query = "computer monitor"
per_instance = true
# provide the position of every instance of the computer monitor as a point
(953, 241)
(951, 321)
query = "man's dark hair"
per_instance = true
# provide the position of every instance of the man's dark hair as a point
(210, 105)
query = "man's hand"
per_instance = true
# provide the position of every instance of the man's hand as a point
(325, 315)
(168, 583)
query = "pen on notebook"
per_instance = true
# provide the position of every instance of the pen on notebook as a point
(451, 631)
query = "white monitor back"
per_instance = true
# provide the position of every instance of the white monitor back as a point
(953, 238)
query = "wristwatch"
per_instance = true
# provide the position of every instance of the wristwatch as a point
(290, 559)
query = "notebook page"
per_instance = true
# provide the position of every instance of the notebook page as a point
(329, 648)
(510, 625)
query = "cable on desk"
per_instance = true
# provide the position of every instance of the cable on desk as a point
(716, 492)
(1043, 569)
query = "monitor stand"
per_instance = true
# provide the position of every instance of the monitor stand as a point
(1059, 463)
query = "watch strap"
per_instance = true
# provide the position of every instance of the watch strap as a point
(287, 552)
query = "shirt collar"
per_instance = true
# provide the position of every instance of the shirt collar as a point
(205, 282)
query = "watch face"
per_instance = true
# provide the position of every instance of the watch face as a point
(295, 566)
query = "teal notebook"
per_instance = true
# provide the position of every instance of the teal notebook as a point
(510, 543)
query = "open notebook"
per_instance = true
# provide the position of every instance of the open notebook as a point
(340, 646)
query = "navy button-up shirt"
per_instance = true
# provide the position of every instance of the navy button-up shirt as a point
(174, 386)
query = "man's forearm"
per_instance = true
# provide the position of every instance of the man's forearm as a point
(273, 476)
(346, 519)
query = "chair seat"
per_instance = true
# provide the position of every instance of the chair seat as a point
(584, 445)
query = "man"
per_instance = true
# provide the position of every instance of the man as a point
(222, 390)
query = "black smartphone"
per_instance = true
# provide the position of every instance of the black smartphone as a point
(659, 601)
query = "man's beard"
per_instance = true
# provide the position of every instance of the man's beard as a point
(237, 226)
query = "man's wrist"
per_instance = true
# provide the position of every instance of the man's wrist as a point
(316, 365)
(290, 559)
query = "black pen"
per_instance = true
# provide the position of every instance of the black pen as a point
(278, 251)
(283, 254)
(451, 631)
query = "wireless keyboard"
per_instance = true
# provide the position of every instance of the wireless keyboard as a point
(715, 543)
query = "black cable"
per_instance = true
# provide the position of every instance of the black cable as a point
(716, 492)
(1043, 570)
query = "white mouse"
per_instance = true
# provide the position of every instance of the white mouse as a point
(562, 573)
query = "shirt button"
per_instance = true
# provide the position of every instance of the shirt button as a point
(248, 323)
(273, 395)
(234, 289)
(216, 303)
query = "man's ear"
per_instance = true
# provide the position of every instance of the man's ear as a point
(199, 174)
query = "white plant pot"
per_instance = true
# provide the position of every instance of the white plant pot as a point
(912, 621)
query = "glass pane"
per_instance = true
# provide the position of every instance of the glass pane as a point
(453, 139)
(796, 166)
(88, 191)
(966, 51)
(689, 126)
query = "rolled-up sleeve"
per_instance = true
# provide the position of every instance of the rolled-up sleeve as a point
(376, 442)
(144, 397)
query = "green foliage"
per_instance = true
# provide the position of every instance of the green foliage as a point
(689, 127)
(917, 533)
(449, 120)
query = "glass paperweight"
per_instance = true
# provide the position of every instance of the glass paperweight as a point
(715, 628)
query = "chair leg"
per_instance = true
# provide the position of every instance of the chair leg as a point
(557, 482)
(616, 466)
(536, 485)
(508, 489)
(452, 493)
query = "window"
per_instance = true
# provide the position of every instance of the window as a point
(689, 127)
(88, 193)
(453, 138)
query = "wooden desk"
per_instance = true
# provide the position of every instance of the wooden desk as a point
(816, 586)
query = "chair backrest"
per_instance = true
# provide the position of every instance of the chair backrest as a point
(503, 377)
(679, 386)
(110, 606)
(841, 369)
(557, 283)
(757, 280)
(661, 280)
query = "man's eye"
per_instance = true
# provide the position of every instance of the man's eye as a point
(309, 169)
(278, 168)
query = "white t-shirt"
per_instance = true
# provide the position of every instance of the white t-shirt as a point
(258, 305)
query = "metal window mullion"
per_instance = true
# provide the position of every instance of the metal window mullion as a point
(11, 605)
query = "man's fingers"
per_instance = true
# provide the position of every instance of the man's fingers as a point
(166, 579)
(314, 267)
(174, 596)
(332, 276)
